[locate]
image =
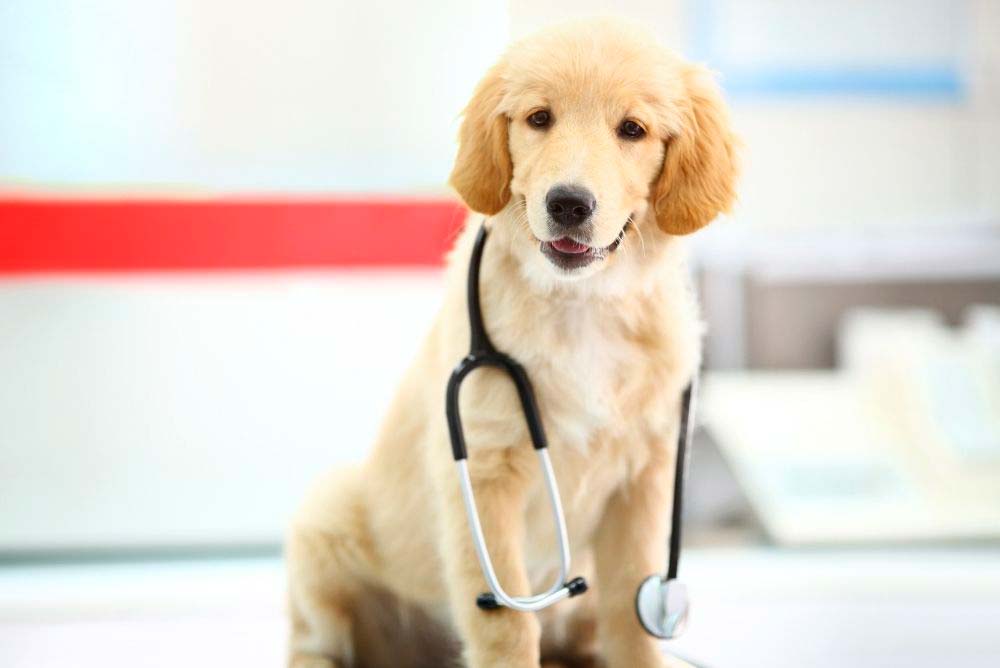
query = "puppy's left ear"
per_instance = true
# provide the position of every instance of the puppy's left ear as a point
(698, 178)
(483, 168)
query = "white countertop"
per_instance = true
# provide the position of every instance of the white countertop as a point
(751, 607)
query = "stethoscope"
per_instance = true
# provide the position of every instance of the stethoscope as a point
(661, 603)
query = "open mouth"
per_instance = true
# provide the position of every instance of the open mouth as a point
(568, 253)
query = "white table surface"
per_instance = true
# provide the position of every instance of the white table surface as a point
(752, 607)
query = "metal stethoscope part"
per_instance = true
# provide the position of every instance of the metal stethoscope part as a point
(661, 602)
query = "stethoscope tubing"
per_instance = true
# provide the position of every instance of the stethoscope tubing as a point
(483, 353)
(681, 466)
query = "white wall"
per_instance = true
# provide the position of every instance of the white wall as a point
(340, 96)
(306, 95)
(190, 410)
(179, 409)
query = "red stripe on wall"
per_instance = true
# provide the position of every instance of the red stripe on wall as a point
(148, 235)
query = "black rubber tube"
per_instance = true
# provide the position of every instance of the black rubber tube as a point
(680, 468)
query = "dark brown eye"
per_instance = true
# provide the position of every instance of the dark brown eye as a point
(540, 119)
(631, 130)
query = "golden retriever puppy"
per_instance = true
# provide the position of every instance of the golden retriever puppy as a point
(591, 150)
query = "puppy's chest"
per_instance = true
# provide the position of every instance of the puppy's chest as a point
(587, 481)
(598, 429)
(586, 382)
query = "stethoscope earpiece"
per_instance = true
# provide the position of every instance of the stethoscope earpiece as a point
(662, 606)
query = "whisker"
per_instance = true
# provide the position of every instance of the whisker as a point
(642, 239)
(623, 242)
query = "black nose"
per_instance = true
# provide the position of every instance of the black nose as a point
(570, 205)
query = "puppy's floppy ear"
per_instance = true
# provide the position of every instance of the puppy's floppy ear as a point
(698, 177)
(483, 168)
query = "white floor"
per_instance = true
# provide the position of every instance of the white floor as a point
(753, 608)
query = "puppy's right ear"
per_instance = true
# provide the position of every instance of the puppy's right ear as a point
(483, 168)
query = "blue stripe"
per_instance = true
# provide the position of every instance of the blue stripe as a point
(933, 82)
(938, 81)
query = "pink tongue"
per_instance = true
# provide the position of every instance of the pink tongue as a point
(567, 245)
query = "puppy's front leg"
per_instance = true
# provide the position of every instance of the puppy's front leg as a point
(630, 546)
(501, 638)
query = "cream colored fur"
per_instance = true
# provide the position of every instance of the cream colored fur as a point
(381, 565)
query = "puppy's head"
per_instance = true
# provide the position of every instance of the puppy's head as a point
(588, 133)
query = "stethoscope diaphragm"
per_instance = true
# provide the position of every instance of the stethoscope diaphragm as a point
(662, 606)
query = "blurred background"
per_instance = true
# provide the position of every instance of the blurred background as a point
(221, 232)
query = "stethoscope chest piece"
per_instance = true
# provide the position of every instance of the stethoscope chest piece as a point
(662, 606)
